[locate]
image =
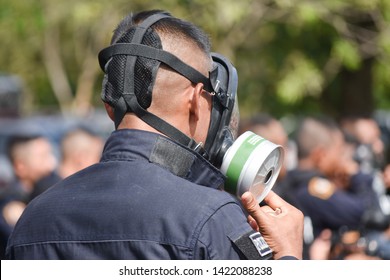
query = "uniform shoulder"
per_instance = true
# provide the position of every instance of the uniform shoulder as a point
(321, 188)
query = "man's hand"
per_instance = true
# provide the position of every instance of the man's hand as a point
(280, 223)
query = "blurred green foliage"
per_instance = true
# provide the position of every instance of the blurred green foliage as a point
(293, 57)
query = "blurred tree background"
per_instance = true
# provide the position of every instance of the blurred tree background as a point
(293, 56)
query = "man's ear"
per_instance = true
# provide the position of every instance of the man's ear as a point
(195, 101)
(109, 110)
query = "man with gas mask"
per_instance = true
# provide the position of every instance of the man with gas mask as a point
(157, 192)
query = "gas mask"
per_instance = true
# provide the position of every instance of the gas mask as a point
(249, 163)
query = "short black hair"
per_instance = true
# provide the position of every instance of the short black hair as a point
(312, 132)
(145, 69)
(18, 140)
(170, 25)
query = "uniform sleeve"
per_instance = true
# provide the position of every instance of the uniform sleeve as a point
(339, 209)
(216, 237)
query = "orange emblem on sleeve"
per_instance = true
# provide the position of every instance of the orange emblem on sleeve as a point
(321, 188)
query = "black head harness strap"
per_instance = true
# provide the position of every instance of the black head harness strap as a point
(128, 102)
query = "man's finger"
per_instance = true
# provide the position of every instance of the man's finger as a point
(253, 223)
(252, 206)
(274, 201)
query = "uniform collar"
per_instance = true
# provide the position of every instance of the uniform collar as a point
(130, 144)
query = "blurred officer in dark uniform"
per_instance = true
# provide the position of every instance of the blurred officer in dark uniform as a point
(32, 159)
(12, 205)
(327, 184)
(153, 196)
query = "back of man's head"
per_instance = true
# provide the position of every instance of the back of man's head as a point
(32, 158)
(313, 132)
(171, 34)
(17, 146)
(80, 148)
(268, 127)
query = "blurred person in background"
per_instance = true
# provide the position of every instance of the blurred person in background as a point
(79, 149)
(369, 153)
(370, 148)
(327, 184)
(12, 204)
(32, 159)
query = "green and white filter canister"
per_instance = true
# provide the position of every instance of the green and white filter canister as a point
(252, 164)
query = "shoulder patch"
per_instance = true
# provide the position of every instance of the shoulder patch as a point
(253, 246)
(321, 188)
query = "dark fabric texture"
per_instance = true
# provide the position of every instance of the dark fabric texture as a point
(127, 207)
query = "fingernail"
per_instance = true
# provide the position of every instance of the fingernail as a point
(245, 197)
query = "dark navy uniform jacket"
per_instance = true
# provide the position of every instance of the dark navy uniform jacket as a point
(325, 204)
(148, 198)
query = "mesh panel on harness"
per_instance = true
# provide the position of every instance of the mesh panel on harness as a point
(145, 72)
